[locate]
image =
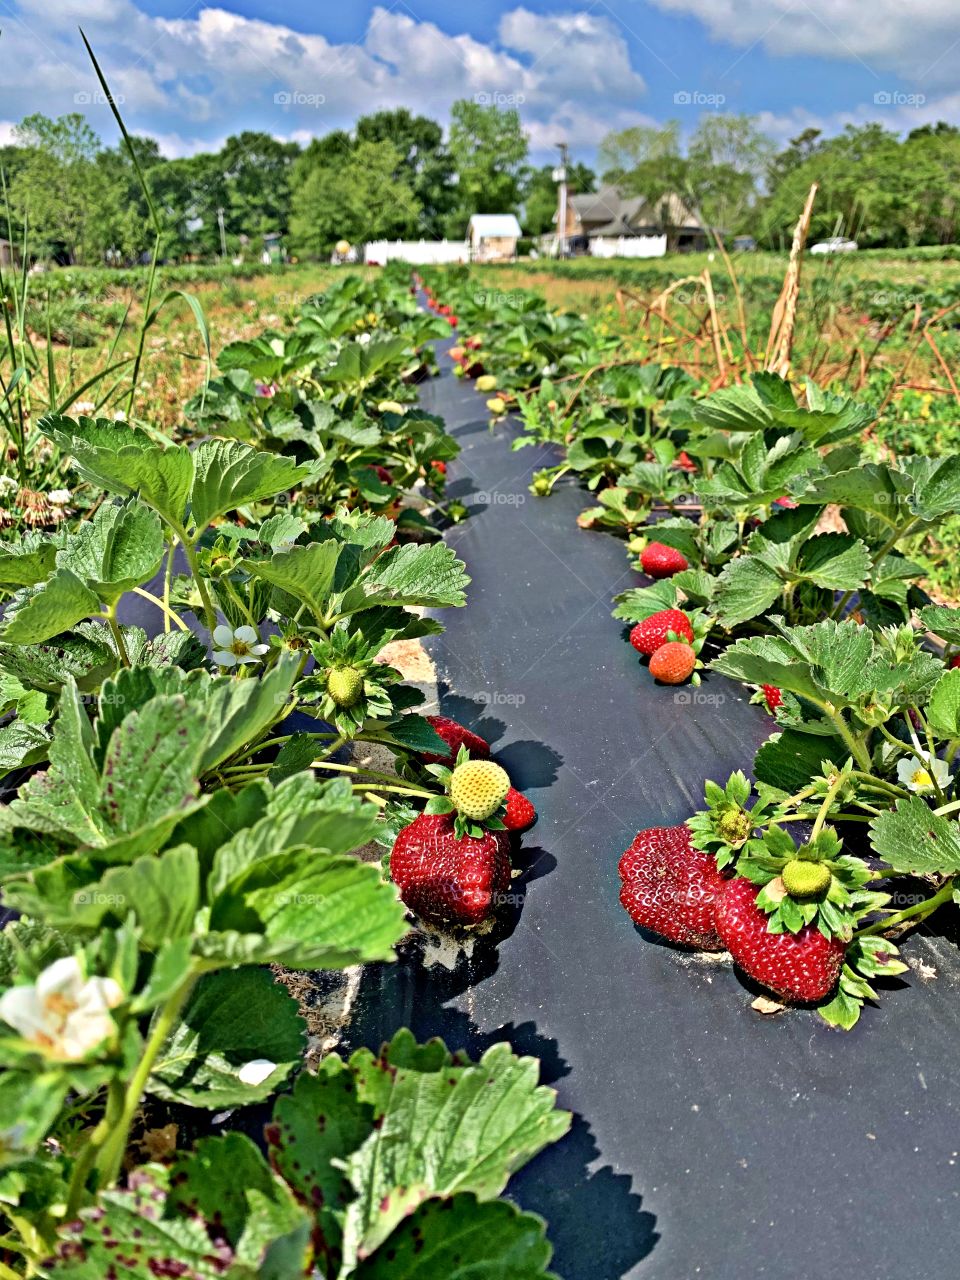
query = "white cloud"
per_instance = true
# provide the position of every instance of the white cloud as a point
(189, 80)
(916, 39)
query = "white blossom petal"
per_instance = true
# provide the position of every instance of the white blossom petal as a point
(256, 1071)
(223, 636)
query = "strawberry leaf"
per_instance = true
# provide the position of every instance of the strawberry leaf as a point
(912, 838)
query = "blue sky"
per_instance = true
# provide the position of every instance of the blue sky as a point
(190, 76)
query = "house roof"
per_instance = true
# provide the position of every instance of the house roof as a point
(607, 212)
(484, 225)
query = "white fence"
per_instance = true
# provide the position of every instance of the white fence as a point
(417, 251)
(628, 246)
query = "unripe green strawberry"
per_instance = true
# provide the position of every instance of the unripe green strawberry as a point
(497, 405)
(344, 685)
(478, 788)
(803, 879)
(486, 382)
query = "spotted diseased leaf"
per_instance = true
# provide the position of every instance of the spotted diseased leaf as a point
(314, 1129)
(127, 805)
(912, 838)
(463, 1238)
(132, 1223)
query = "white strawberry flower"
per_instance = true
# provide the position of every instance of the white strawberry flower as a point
(237, 648)
(65, 1013)
(923, 775)
(59, 497)
(256, 1071)
(84, 406)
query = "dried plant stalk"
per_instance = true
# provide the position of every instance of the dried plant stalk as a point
(784, 319)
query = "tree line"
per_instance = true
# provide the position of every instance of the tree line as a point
(396, 174)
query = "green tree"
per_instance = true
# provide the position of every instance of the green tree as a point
(425, 164)
(54, 188)
(644, 160)
(488, 148)
(727, 160)
(357, 199)
(256, 177)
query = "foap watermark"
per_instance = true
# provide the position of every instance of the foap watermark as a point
(698, 698)
(499, 98)
(697, 297)
(497, 698)
(897, 98)
(97, 98)
(94, 898)
(494, 498)
(697, 98)
(493, 298)
(299, 98)
(896, 298)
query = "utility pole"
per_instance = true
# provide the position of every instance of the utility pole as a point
(223, 232)
(560, 177)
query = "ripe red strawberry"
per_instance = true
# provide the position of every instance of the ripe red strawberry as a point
(954, 662)
(384, 475)
(673, 663)
(786, 504)
(660, 561)
(684, 462)
(439, 466)
(671, 888)
(772, 695)
(455, 736)
(520, 812)
(800, 966)
(647, 636)
(445, 879)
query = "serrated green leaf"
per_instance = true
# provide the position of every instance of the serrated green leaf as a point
(745, 589)
(229, 475)
(913, 838)
(231, 1019)
(430, 577)
(835, 561)
(120, 548)
(441, 1129)
(49, 609)
(943, 709)
(305, 573)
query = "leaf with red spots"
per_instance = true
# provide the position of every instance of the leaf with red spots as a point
(462, 1239)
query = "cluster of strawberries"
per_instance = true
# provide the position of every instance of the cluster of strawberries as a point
(678, 892)
(452, 863)
(441, 308)
(667, 638)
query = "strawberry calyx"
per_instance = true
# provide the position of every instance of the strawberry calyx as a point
(815, 884)
(476, 792)
(727, 826)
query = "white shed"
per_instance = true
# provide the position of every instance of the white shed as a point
(493, 236)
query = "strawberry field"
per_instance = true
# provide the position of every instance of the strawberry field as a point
(474, 794)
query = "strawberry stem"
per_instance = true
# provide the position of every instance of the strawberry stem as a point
(919, 911)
